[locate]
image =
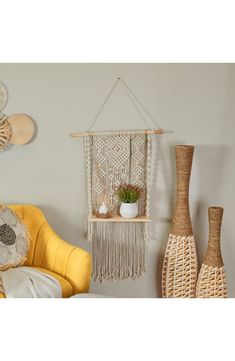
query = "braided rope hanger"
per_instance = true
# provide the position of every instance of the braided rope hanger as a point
(138, 106)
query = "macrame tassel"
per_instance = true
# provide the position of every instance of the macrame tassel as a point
(118, 251)
(146, 231)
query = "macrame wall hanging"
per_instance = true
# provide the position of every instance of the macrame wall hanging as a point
(114, 158)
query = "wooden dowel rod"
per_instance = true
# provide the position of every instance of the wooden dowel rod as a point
(121, 132)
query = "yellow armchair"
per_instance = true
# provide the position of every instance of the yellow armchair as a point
(70, 265)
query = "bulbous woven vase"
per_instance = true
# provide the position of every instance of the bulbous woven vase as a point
(212, 277)
(179, 274)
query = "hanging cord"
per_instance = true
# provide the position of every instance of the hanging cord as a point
(139, 102)
(134, 101)
(101, 107)
(135, 105)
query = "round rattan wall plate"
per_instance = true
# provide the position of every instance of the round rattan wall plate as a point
(22, 127)
(3, 96)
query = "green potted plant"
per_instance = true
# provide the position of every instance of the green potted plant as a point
(128, 195)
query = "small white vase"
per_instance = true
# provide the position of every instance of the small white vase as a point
(129, 210)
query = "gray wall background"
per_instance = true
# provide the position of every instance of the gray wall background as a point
(195, 101)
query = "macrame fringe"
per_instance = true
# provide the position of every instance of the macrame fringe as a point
(118, 251)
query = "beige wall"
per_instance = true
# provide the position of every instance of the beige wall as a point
(195, 101)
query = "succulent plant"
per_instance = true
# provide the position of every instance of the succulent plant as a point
(129, 193)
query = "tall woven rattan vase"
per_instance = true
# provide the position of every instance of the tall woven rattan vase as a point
(212, 277)
(179, 274)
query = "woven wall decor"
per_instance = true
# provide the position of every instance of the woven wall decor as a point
(14, 239)
(22, 128)
(113, 158)
(5, 132)
(3, 96)
(15, 129)
(179, 274)
(212, 280)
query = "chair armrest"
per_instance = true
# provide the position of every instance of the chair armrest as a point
(63, 258)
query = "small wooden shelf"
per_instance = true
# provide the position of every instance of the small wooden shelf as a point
(116, 218)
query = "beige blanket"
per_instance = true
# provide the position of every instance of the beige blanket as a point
(26, 282)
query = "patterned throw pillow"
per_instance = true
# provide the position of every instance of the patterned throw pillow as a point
(14, 240)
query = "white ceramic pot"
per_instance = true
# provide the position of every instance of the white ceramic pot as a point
(129, 210)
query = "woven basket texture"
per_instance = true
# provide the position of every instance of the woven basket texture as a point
(212, 279)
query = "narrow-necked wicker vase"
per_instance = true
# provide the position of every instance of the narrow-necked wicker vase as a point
(212, 277)
(179, 274)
